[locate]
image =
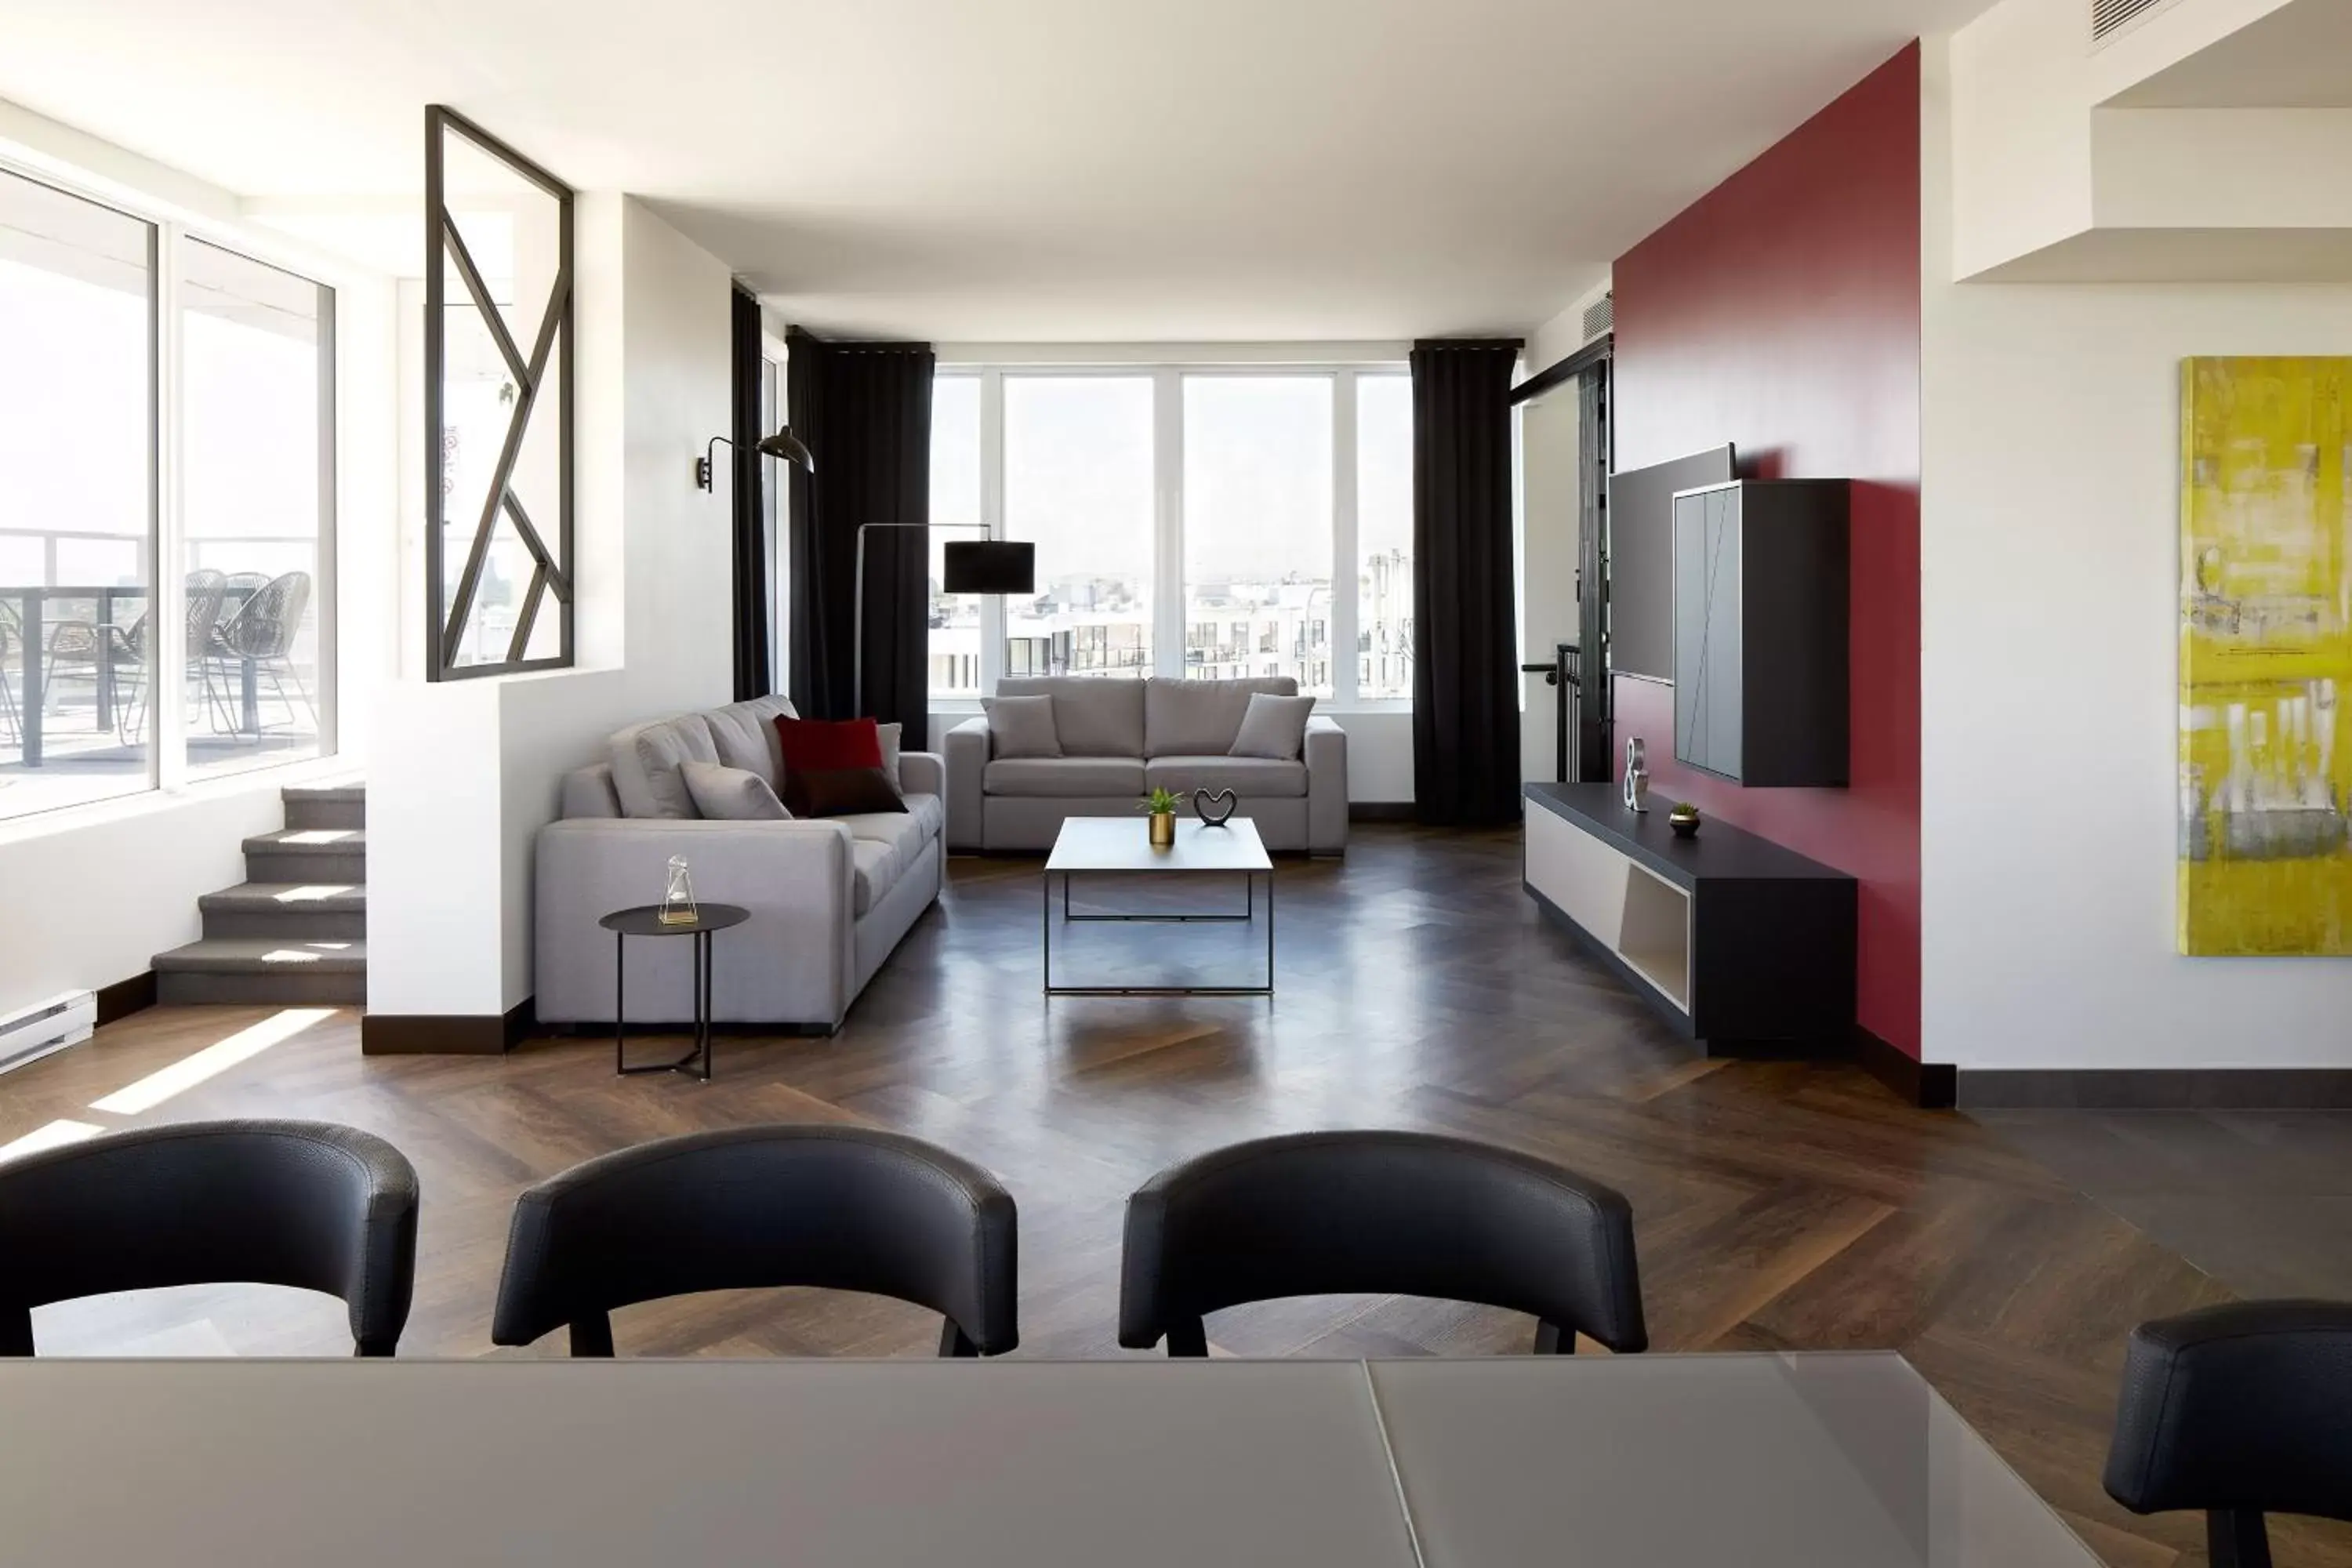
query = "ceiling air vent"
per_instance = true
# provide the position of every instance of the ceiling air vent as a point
(2109, 17)
(1600, 316)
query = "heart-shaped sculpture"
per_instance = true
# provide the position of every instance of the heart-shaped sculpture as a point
(1202, 799)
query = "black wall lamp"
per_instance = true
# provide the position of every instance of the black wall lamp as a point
(783, 443)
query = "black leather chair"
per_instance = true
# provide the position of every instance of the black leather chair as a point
(305, 1204)
(1407, 1213)
(842, 1207)
(2241, 1411)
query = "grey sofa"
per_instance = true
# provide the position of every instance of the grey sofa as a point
(830, 898)
(1122, 738)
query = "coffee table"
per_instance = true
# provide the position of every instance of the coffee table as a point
(1122, 847)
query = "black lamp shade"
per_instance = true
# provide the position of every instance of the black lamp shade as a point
(788, 447)
(990, 566)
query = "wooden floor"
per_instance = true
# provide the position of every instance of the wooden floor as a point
(1776, 1204)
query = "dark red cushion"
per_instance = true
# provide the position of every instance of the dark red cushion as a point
(839, 791)
(828, 743)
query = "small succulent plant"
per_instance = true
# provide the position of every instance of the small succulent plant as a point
(1160, 802)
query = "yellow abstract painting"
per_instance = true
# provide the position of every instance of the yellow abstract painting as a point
(2265, 657)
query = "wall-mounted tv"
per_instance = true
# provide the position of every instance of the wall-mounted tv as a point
(1642, 558)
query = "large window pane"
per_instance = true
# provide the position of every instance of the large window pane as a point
(76, 513)
(257, 351)
(1258, 527)
(1079, 482)
(1384, 537)
(955, 514)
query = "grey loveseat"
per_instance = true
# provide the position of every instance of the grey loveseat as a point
(829, 897)
(1121, 737)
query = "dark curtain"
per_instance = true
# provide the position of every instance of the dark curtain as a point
(1466, 682)
(865, 410)
(754, 671)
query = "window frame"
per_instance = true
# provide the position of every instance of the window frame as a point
(1345, 365)
(170, 229)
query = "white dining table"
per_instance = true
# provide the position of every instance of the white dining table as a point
(1824, 1460)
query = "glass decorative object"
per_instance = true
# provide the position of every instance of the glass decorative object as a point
(677, 908)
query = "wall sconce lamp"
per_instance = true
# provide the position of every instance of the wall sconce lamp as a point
(783, 443)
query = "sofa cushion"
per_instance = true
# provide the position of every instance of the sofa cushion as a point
(1273, 727)
(745, 734)
(875, 869)
(1200, 718)
(1094, 716)
(1021, 726)
(923, 820)
(645, 760)
(902, 833)
(722, 793)
(1065, 778)
(1248, 777)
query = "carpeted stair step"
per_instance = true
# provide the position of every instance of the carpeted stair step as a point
(260, 970)
(325, 805)
(287, 911)
(334, 854)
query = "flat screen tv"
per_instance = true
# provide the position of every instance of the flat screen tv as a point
(1642, 558)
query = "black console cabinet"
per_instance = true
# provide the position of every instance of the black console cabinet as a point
(1761, 617)
(1737, 942)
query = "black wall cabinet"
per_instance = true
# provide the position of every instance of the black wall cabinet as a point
(1760, 628)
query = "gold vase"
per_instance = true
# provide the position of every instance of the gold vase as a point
(1163, 829)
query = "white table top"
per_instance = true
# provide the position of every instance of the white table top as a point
(1124, 844)
(1637, 1462)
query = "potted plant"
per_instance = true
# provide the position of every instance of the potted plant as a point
(1683, 820)
(1162, 804)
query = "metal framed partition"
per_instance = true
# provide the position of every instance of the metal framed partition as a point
(462, 640)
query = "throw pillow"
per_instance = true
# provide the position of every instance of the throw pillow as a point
(889, 734)
(732, 794)
(1021, 727)
(828, 743)
(840, 792)
(1274, 727)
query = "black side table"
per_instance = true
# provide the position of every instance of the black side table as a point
(645, 920)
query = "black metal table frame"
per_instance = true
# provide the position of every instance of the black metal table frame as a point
(701, 1050)
(1249, 912)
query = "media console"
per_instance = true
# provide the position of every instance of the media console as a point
(1740, 944)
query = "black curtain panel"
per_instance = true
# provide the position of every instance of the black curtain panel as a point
(754, 670)
(865, 410)
(1466, 682)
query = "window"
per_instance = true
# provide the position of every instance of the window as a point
(1384, 537)
(257, 375)
(77, 515)
(1258, 517)
(955, 509)
(1204, 522)
(1079, 481)
(101, 659)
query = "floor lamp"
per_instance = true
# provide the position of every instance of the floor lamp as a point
(985, 565)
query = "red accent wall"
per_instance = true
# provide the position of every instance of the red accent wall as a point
(1781, 312)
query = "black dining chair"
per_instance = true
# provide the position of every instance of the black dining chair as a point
(1405, 1214)
(845, 1208)
(305, 1204)
(2238, 1411)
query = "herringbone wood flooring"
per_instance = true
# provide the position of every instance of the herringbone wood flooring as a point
(1777, 1204)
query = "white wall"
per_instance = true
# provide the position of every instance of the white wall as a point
(93, 894)
(452, 821)
(2049, 602)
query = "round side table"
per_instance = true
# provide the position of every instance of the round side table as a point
(645, 920)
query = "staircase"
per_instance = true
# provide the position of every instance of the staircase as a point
(295, 932)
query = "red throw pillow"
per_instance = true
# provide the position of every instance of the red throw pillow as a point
(823, 745)
(834, 767)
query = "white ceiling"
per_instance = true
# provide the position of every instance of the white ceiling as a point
(2297, 56)
(1044, 170)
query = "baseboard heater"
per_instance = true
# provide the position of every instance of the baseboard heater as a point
(32, 1033)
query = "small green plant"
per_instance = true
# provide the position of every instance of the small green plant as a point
(1160, 801)
(1684, 808)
